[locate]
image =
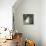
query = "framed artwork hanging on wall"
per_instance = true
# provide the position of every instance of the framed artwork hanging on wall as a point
(28, 19)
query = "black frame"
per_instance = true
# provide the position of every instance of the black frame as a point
(30, 18)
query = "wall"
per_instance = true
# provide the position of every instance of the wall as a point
(43, 22)
(30, 31)
(6, 13)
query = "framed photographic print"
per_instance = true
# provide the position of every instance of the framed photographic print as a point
(28, 19)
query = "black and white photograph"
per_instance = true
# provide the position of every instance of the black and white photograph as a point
(28, 19)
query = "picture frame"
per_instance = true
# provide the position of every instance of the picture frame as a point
(28, 19)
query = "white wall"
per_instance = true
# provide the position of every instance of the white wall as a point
(6, 13)
(43, 22)
(30, 31)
